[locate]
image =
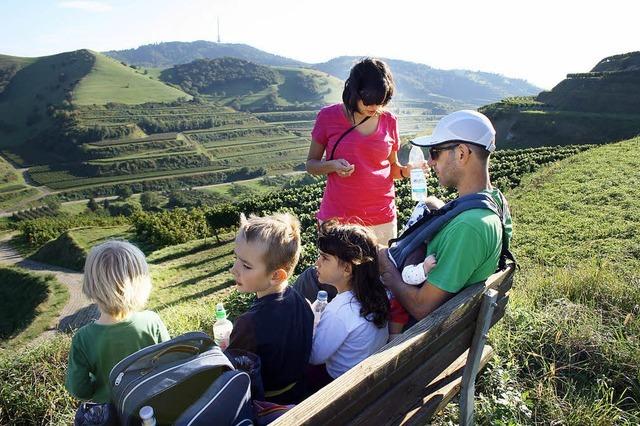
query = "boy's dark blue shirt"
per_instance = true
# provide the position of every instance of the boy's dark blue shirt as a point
(279, 329)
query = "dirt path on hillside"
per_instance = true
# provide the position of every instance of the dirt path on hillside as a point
(78, 311)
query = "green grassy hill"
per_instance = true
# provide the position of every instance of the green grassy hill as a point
(595, 107)
(36, 106)
(569, 347)
(111, 81)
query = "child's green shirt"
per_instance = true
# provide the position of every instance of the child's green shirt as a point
(96, 348)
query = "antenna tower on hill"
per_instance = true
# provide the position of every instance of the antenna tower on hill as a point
(218, 29)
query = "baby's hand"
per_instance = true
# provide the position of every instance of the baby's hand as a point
(429, 263)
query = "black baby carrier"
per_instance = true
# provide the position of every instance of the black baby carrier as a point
(424, 228)
(186, 380)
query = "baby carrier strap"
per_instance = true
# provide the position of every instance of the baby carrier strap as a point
(505, 253)
(425, 228)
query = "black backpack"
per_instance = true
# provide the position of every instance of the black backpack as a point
(186, 380)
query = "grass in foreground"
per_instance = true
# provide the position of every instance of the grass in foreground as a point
(569, 346)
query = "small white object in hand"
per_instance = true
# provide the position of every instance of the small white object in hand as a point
(414, 274)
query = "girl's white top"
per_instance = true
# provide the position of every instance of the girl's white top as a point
(344, 338)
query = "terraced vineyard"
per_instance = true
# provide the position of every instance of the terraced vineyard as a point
(210, 143)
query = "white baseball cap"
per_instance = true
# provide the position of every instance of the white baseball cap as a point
(466, 126)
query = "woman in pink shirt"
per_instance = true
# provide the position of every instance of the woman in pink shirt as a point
(360, 142)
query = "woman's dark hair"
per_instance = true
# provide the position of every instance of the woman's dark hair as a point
(356, 245)
(369, 80)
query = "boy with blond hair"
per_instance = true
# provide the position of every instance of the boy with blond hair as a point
(116, 278)
(278, 327)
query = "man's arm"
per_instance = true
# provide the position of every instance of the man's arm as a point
(419, 302)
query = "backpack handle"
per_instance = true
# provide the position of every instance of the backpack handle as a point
(185, 349)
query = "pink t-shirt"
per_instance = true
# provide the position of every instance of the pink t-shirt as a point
(368, 195)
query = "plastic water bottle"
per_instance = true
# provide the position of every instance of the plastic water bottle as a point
(147, 417)
(222, 327)
(418, 180)
(318, 307)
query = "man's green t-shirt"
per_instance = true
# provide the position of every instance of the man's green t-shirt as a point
(97, 348)
(468, 248)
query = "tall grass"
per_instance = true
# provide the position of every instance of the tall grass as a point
(569, 345)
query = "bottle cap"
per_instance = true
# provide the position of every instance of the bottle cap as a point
(146, 412)
(322, 295)
(220, 312)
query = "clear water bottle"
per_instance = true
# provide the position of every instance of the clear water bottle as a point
(222, 327)
(147, 416)
(418, 180)
(318, 307)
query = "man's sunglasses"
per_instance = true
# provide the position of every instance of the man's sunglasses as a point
(435, 151)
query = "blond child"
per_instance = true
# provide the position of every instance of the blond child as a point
(116, 278)
(278, 327)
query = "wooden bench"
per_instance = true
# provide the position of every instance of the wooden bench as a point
(416, 375)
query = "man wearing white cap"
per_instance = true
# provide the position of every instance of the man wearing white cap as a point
(469, 246)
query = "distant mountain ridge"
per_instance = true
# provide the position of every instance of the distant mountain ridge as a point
(419, 81)
(415, 81)
(168, 54)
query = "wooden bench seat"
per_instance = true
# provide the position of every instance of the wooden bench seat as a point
(414, 376)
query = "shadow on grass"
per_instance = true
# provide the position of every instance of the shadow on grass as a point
(194, 280)
(20, 295)
(202, 261)
(200, 247)
(203, 293)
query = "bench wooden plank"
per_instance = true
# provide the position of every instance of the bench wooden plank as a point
(348, 396)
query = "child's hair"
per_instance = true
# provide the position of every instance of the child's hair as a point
(279, 233)
(356, 245)
(116, 277)
(369, 80)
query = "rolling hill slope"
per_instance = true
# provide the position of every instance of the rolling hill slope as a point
(599, 106)
(41, 86)
(248, 86)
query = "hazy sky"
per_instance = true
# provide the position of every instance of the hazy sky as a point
(540, 41)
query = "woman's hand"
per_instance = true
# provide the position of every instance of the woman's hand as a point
(342, 167)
